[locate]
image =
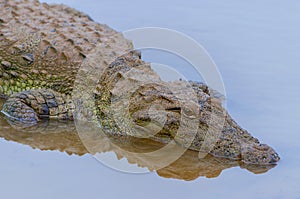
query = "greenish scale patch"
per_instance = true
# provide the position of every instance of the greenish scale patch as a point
(20, 82)
(7, 87)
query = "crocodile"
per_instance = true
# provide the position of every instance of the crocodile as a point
(49, 54)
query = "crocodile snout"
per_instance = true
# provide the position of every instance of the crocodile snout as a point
(261, 154)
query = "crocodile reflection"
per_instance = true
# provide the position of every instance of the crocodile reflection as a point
(62, 136)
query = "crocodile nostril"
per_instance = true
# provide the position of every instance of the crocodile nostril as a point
(275, 157)
(273, 160)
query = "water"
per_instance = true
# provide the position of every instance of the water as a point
(255, 45)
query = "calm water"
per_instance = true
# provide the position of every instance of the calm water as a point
(256, 47)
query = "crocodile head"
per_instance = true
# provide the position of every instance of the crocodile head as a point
(259, 154)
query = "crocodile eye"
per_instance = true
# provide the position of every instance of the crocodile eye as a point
(6, 65)
(28, 58)
(189, 112)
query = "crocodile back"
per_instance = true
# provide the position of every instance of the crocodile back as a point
(43, 46)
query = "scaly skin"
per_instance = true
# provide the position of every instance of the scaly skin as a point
(42, 50)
